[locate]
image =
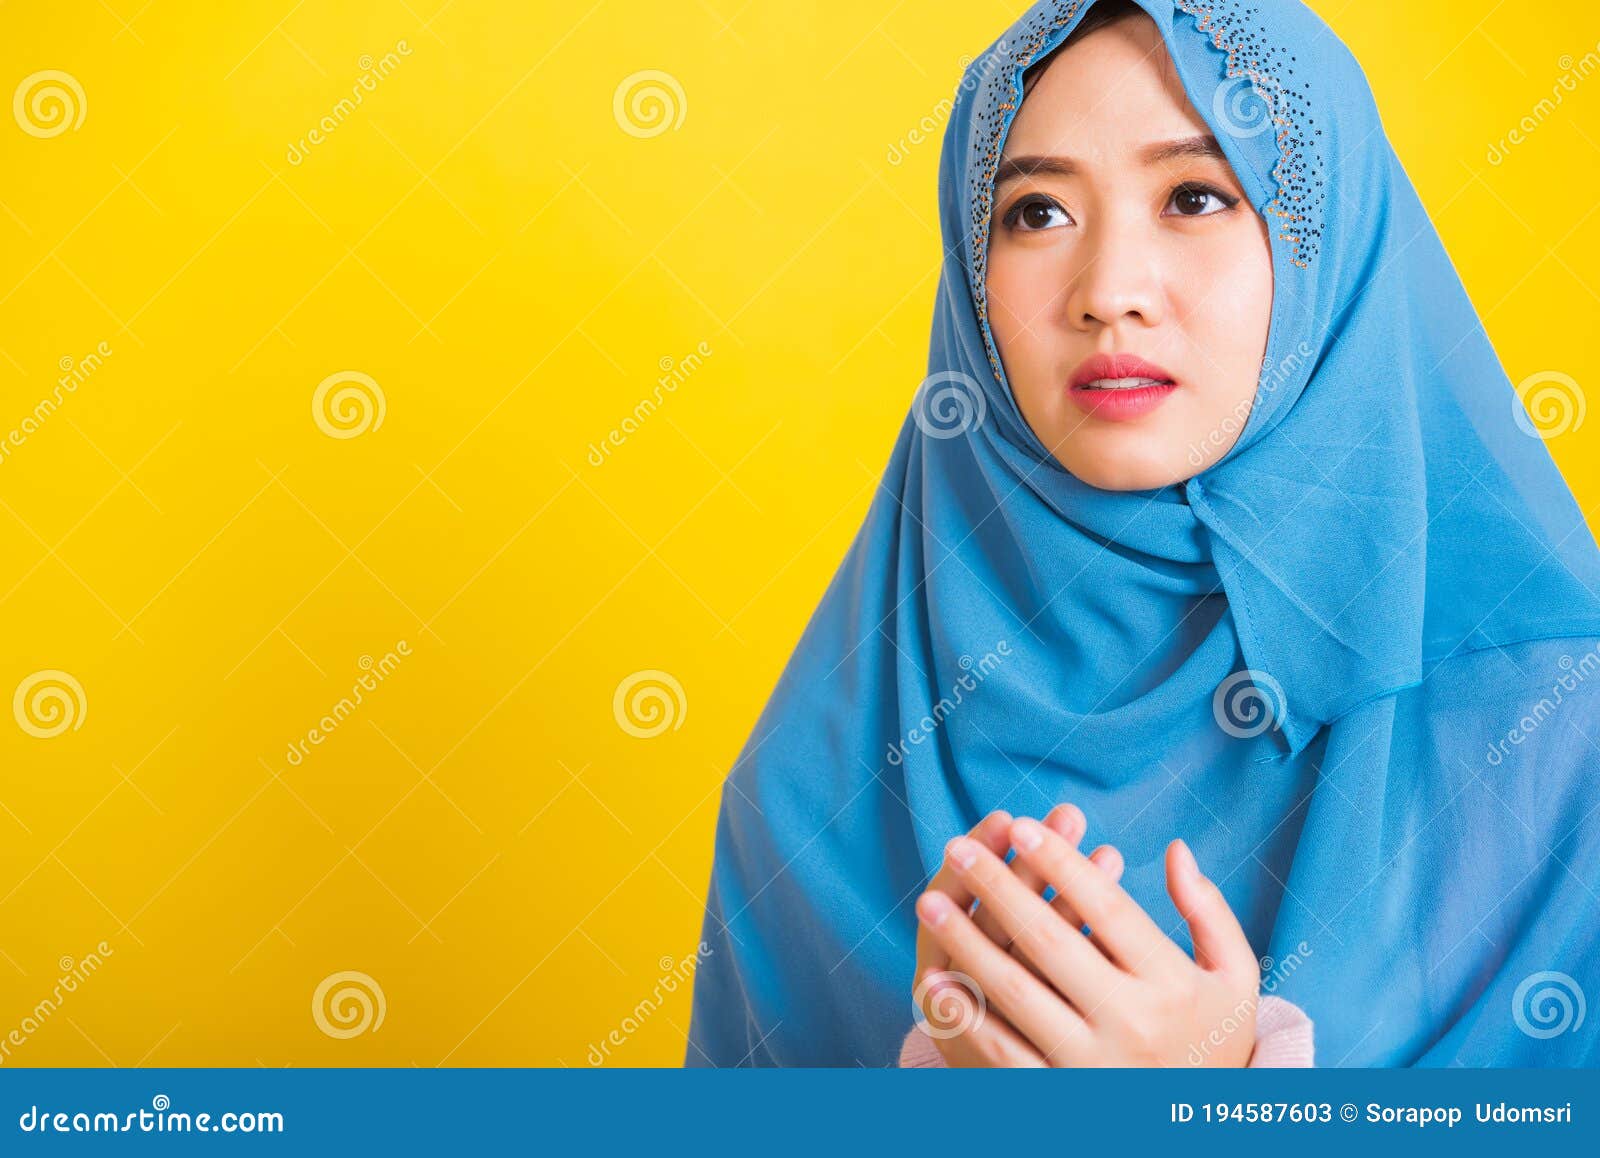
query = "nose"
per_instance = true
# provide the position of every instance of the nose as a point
(1116, 278)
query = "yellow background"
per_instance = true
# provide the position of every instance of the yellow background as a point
(512, 869)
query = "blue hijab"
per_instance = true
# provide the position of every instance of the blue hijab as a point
(1354, 663)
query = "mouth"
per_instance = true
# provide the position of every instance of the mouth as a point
(1120, 386)
(1125, 383)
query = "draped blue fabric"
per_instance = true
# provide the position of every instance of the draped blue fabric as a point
(1354, 663)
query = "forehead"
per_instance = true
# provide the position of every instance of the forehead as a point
(1111, 46)
(1115, 88)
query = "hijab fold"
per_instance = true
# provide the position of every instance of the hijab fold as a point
(1297, 660)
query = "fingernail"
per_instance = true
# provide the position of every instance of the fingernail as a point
(934, 908)
(962, 851)
(1026, 834)
(1187, 855)
(1076, 823)
(1080, 822)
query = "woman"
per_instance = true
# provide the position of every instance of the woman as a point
(1216, 532)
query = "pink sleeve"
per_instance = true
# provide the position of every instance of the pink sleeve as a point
(1283, 1036)
(1283, 1040)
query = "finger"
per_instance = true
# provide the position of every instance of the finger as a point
(993, 831)
(1039, 1013)
(1132, 938)
(1109, 861)
(1080, 972)
(1066, 819)
(1108, 858)
(1069, 821)
(1219, 940)
(966, 1032)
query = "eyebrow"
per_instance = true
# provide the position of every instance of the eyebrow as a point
(1186, 148)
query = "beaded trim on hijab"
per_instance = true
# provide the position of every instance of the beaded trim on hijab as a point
(1298, 174)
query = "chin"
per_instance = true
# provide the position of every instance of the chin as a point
(1122, 474)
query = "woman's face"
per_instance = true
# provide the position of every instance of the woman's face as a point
(1119, 229)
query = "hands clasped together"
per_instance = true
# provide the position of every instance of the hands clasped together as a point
(1019, 983)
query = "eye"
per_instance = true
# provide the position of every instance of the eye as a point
(1034, 213)
(1194, 200)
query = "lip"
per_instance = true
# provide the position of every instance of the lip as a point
(1119, 405)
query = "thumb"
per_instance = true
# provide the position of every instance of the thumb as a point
(1219, 941)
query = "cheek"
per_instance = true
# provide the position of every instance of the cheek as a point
(1229, 311)
(1009, 287)
(1021, 296)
